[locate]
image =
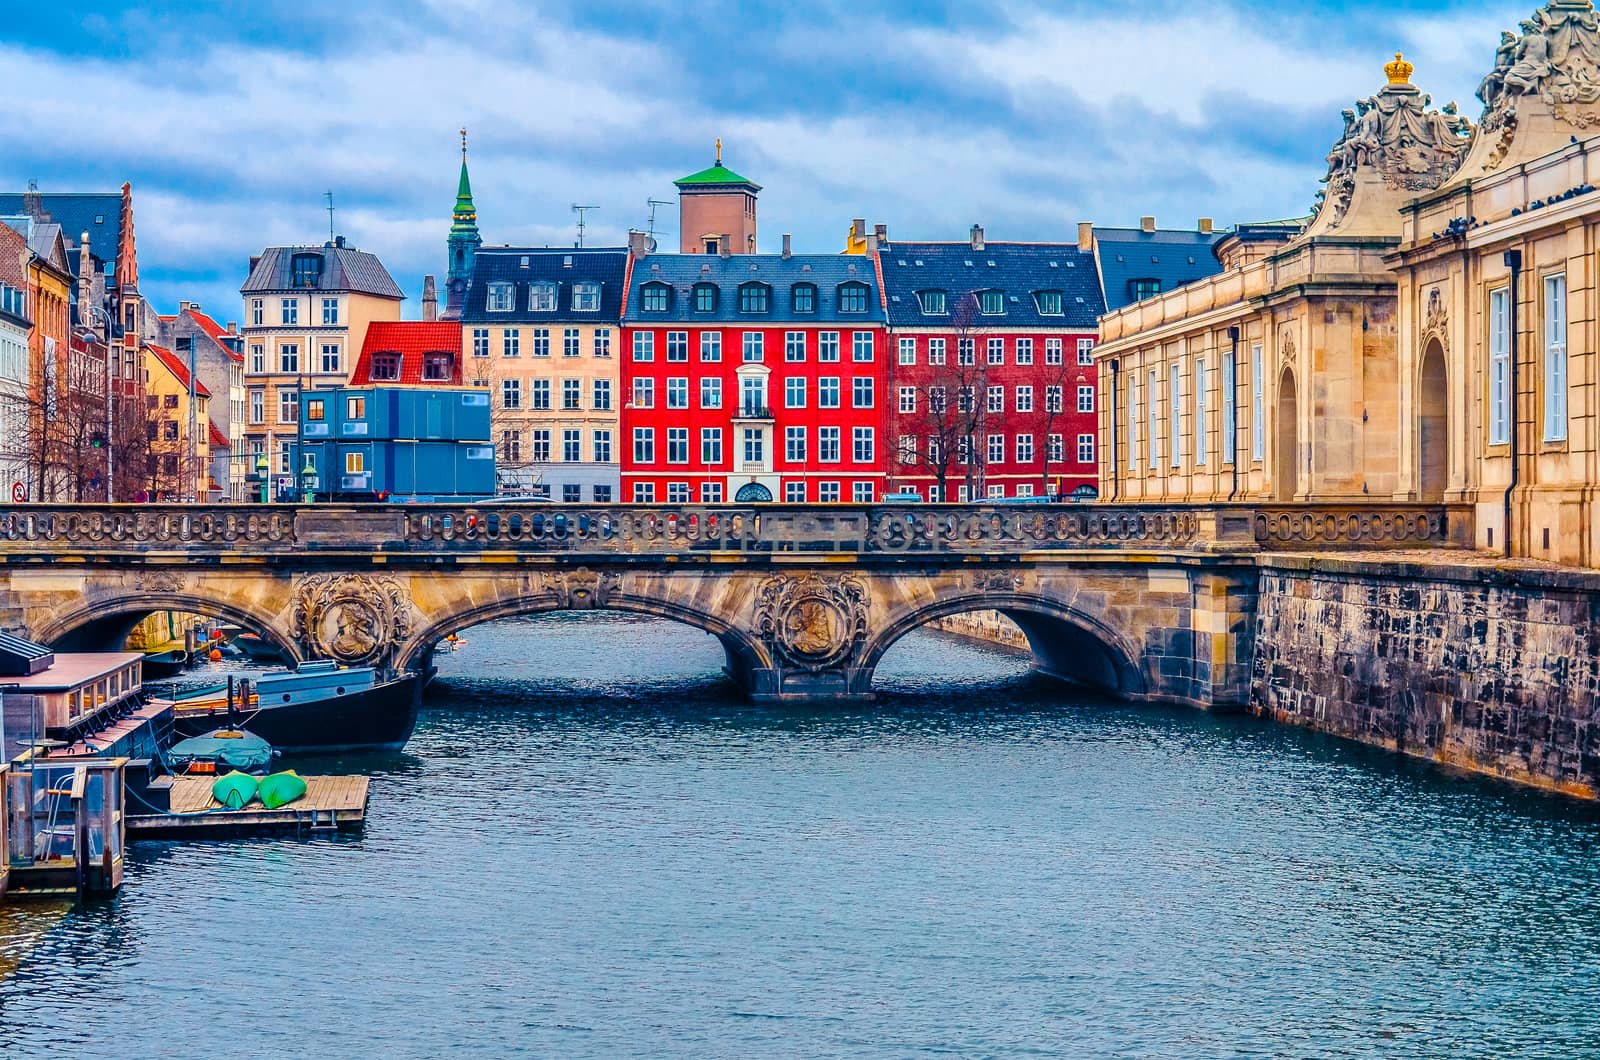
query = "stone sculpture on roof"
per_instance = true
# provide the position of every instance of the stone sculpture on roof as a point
(1555, 59)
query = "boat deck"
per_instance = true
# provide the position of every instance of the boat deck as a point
(109, 742)
(330, 804)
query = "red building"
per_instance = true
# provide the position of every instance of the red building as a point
(991, 377)
(753, 377)
(409, 353)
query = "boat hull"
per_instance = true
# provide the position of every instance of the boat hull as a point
(162, 665)
(257, 649)
(380, 718)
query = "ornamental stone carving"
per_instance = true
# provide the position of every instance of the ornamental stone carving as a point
(1436, 321)
(353, 618)
(582, 588)
(158, 581)
(813, 622)
(996, 582)
(1548, 71)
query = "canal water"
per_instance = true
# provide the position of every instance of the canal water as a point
(593, 847)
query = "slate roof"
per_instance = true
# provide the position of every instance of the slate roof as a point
(1175, 258)
(175, 365)
(410, 339)
(344, 269)
(1018, 269)
(99, 214)
(605, 265)
(683, 271)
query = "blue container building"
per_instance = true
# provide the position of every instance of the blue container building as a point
(375, 443)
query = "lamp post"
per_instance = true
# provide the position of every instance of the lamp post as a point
(261, 473)
(308, 478)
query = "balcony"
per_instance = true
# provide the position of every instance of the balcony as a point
(753, 410)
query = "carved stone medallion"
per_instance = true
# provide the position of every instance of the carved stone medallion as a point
(582, 588)
(354, 618)
(812, 621)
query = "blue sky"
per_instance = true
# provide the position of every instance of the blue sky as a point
(232, 118)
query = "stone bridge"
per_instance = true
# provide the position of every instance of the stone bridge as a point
(1149, 603)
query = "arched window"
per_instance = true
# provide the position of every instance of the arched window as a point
(853, 297)
(542, 297)
(706, 297)
(655, 297)
(754, 297)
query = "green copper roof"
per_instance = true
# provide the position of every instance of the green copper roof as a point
(465, 217)
(717, 174)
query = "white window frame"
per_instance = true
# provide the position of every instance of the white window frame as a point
(1229, 409)
(1499, 410)
(1258, 426)
(1200, 453)
(1555, 357)
(1174, 410)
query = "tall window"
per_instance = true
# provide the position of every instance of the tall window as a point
(677, 346)
(966, 352)
(1085, 448)
(330, 311)
(908, 399)
(1555, 358)
(710, 392)
(753, 345)
(644, 393)
(936, 352)
(1085, 351)
(755, 446)
(602, 395)
(569, 342)
(997, 351)
(1024, 448)
(541, 446)
(330, 357)
(480, 342)
(677, 445)
(644, 345)
(571, 444)
(644, 445)
(1500, 366)
(1024, 399)
(1153, 426)
(1230, 422)
(602, 344)
(996, 448)
(258, 406)
(307, 269)
(1199, 411)
(1085, 399)
(601, 441)
(678, 392)
(500, 298)
(1258, 427)
(794, 444)
(289, 310)
(862, 447)
(542, 297)
(288, 358)
(571, 394)
(828, 445)
(804, 298)
(908, 351)
(511, 393)
(288, 406)
(828, 392)
(991, 303)
(710, 346)
(541, 342)
(995, 399)
(541, 395)
(794, 392)
(257, 313)
(1133, 423)
(711, 446)
(1024, 351)
(1174, 412)
(861, 392)
(258, 359)
(511, 343)
(753, 397)
(861, 347)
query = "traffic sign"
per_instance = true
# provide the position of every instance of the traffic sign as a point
(19, 492)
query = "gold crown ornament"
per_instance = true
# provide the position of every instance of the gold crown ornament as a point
(1399, 71)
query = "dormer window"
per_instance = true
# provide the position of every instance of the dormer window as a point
(385, 366)
(852, 297)
(655, 297)
(933, 302)
(1049, 303)
(586, 297)
(754, 297)
(436, 366)
(992, 303)
(706, 297)
(307, 269)
(542, 297)
(803, 298)
(500, 299)
(1142, 289)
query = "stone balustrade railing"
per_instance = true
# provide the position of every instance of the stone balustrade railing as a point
(45, 530)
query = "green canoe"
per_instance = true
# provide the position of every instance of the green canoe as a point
(234, 790)
(280, 789)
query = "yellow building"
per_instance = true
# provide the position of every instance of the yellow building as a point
(178, 460)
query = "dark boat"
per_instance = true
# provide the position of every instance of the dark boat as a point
(162, 664)
(319, 708)
(257, 649)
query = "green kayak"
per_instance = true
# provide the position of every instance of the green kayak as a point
(234, 790)
(280, 789)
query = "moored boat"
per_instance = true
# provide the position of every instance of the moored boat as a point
(257, 649)
(319, 708)
(217, 749)
(161, 664)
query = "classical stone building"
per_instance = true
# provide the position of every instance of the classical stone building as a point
(1278, 377)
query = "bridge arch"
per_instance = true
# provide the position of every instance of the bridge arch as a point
(1066, 643)
(104, 623)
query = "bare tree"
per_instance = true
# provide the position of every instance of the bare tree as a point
(952, 399)
(506, 426)
(1055, 380)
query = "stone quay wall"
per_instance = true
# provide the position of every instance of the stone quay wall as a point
(1467, 661)
(991, 627)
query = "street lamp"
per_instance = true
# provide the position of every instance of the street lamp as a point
(261, 473)
(308, 478)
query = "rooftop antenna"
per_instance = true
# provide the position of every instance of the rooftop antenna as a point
(653, 203)
(580, 211)
(329, 195)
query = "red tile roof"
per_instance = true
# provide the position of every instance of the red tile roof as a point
(218, 333)
(178, 369)
(410, 339)
(218, 439)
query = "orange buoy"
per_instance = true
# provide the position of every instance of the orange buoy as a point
(215, 655)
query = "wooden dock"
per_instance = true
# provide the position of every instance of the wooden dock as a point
(330, 804)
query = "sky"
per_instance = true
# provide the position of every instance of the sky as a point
(233, 118)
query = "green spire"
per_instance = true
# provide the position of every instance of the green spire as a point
(465, 218)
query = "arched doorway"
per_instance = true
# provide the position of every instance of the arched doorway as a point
(1286, 465)
(1433, 425)
(753, 493)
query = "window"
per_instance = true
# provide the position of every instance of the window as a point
(1049, 303)
(285, 457)
(997, 351)
(1555, 358)
(1153, 428)
(755, 445)
(1174, 414)
(480, 342)
(1199, 411)
(828, 493)
(1057, 451)
(935, 451)
(1258, 426)
(1085, 398)
(936, 352)
(602, 494)
(1024, 448)
(863, 446)
(571, 394)
(908, 351)
(541, 446)
(571, 445)
(571, 492)
(1024, 351)
(307, 269)
(678, 392)
(861, 347)
(933, 302)
(861, 492)
(170, 401)
(908, 399)
(1230, 423)
(852, 297)
(510, 343)
(995, 399)
(1085, 448)
(794, 492)
(711, 493)
(936, 399)
(385, 366)
(355, 463)
(600, 441)
(289, 358)
(992, 303)
(803, 298)
(542, 297)
(677, 493)
(1024, 399)
(601, 390)
(511, 393)
(644, 493)
(794, 392)
(258, 406)
(330, 357)
(906, 449)
(794, 346)
(705, 297)
(500, 298)
(710, 393)
(996, 492)
(753, 397)
(677, 445)
(1052, 351)
(569, 342)
(753, 351)
(289, 310)
(257, 312)
(828, 346)
(655, 297)
(602, 344)
(861, 396)
(644, 393)
(644, 445)
(355, 408)
(541, 342)
(794, 444)
(541, 395)
(711, 446)
(754, 297)
(966, 352)
(996, 449)
(1499, 366)
(964, 399)
(644, 346)
(169, 431)
(828, 445)
(677, 346)
(828, 392)
(258, 359)
(710, 347)
(1085, 351)
(288, 406)
(1142, 289)
(511, 446)
(586, 297)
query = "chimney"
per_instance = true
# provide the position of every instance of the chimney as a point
(1086, 236)
(882, 232)
(255, 259)
(233, 327)
(640, 243)
(1207, 226)
(184, 307)
(976, 237)
(430, 300)
(858, 229)
(725, 245)
(85, 271)
(1147, 223)
(786, 250)
(872, 243)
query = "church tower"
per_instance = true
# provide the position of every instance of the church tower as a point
(463, 243)
(713, 203)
